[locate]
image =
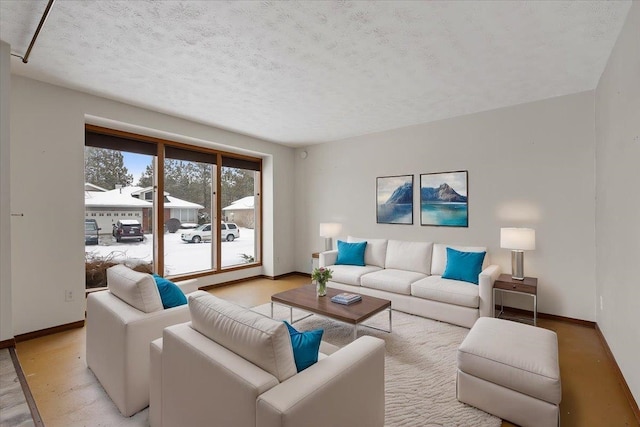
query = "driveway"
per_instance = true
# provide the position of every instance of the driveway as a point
(180, 257)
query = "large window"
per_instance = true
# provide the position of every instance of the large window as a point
(207, 220)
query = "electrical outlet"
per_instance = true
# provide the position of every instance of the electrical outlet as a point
(68, 295)
(601, 304)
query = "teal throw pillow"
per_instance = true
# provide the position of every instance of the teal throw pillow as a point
(306, 346)
(170, 294)
(465, 266)
(351, 253)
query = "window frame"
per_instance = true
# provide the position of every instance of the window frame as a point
(222, 157)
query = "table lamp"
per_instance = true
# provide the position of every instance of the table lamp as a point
(518, 240)
(328, 230)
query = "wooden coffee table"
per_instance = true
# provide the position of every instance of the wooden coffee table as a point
(305, 298)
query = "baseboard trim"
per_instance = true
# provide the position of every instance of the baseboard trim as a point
(11, 342)
(246, 279)
(293, 273)
(621, 380)
(49, 331)
(529, 313)
(28, 396)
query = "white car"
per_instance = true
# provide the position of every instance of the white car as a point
(202, 233)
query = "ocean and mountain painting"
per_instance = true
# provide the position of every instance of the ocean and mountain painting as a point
(443, 199)
(394, 199)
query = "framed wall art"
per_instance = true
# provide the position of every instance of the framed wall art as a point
(444, 199)
(394, 199)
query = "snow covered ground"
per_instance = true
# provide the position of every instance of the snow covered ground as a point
(179, 257)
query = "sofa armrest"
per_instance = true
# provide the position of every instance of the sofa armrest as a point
(204, 383)
(327, 258)
(188, 286)
(118, 339)
(344, 389)
(485, 281)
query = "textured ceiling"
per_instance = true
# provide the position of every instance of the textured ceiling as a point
(303, 72)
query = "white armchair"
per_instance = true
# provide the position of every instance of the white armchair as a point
(119, 331)
(236, 367)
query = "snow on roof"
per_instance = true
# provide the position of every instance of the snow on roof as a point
(175, 203)
(123, 198)
(92, 187)
(113, 198)
(245, 203)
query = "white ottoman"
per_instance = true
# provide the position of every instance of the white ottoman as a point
(511, 370)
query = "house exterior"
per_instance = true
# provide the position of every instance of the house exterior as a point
(241, 212)
(109, 206)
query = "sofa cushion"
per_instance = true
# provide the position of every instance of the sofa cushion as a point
(263, 341)
(454, 292)
(409, 256)
(376, 250)
(351, 253)
(439, 260)
(306, 346)
(170, 294)
(137, 289)
(350, 274)
(391, 280)
(465, 266)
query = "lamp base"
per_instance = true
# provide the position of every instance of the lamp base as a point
(517, 265)
(328, 243)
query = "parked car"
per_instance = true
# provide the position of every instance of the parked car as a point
(230, 231)
(202, 233)
(91, 230)
(128, 229)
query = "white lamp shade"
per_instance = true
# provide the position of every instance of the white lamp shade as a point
(330, 229)
(523, 239)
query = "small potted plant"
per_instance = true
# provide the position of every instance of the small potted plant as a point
(321, 276)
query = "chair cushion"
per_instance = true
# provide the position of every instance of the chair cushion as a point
(391, 280)
(465, 266)
(351, 253)
(137, 289)
(350, 274)
(263, 341)
(409, 256)
(454, 292)
(439, 260)
(306, 346)
(376, 250)
(520, 357)
(170, 294)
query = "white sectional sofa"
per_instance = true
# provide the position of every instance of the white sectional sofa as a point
(409, 275)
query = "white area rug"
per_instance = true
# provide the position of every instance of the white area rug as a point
(420, 375)
(420, 366)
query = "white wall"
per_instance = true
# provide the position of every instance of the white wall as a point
(47, 176)
(618, 200)
(529, 165)
(6, 324)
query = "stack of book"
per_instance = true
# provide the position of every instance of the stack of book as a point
(346, 298)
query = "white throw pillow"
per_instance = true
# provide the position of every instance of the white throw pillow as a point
(375, 252)
(439, 262)
(409, 256)
(263, 341)
(137, 289)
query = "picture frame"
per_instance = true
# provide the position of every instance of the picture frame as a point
(394, 199)
(444, 199)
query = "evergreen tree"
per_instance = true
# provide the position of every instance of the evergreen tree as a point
(236, 184)
(105, 168)
(146, 180)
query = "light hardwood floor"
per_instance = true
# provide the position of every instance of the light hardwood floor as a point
(591, 394)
